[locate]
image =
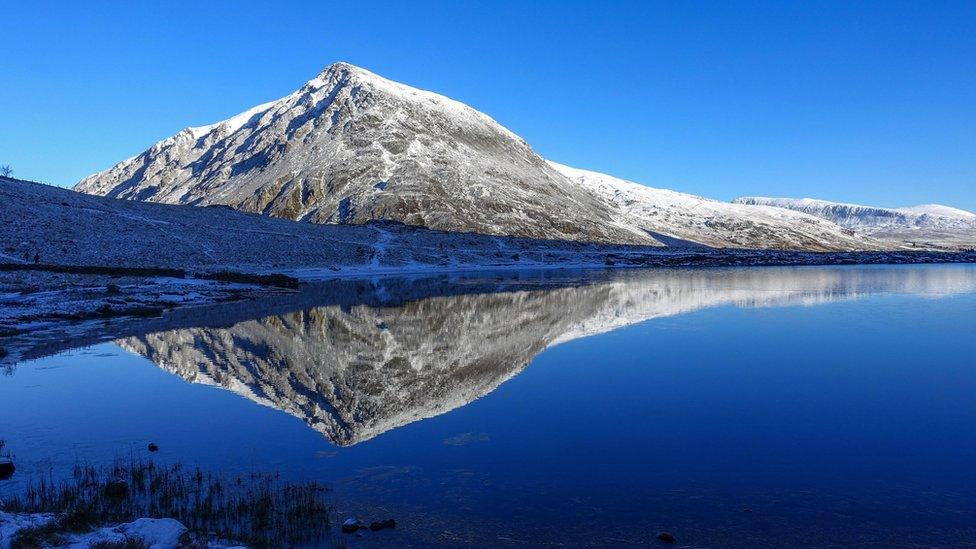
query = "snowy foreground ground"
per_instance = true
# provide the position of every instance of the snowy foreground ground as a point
(153, 533)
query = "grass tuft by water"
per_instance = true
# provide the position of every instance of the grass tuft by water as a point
(259, 510)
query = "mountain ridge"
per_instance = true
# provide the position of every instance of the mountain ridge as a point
(940, 224)
(351, 147)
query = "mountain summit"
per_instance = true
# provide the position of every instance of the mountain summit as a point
(351, 147)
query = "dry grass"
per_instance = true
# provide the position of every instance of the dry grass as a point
(256, 509)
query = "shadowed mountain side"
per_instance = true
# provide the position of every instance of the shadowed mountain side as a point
(355, 372)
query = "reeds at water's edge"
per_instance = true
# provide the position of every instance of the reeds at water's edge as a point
(257, 509)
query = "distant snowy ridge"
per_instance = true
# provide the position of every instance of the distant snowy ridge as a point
(351, 147)
(713, 223)
(942, 224)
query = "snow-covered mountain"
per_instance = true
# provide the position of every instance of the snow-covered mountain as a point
(929, 224)
(350, 147)
(700, 220)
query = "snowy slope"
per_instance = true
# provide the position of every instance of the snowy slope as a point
(714, 223)
(940, 211)
(926, 224)
(350, 147)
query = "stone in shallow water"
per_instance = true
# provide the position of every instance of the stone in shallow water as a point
(6, 468)
(666, 537)
(351, 525)
(380, 525)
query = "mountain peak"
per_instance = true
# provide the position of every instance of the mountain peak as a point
(352, 147)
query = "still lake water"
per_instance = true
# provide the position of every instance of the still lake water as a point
(836, 404)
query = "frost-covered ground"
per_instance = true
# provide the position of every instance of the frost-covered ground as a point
(40, 308)
(161, 533)
(69, 228)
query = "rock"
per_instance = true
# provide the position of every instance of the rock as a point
(666, 537)
(388, 523)
(153, 447)
(3, 352)
(747, 510)
(113, 289)
(6, 468)
(351, 526)
(144, 532)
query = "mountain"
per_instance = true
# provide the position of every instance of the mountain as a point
(931, 225)
(351, 147)
(671, 216)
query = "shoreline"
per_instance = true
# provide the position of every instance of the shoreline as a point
(45, 309)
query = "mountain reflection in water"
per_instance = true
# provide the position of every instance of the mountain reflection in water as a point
(352, 372)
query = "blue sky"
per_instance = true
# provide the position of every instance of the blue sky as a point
(871, 102)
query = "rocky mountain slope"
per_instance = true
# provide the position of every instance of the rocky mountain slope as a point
(350, 147)
(930, 225)
(354, 372)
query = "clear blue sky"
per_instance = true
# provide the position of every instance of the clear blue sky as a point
(871, 102)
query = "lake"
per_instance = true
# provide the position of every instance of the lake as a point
(770, 407)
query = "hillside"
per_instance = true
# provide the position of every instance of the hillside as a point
(929, 225)
(713, 223)
(65, 227)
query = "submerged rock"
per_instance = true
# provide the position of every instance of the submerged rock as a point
(388, 523)
(351, 525)
(666, 537)
(153, 447)
(6, 468)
